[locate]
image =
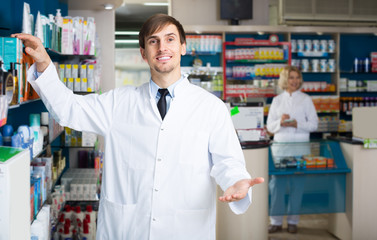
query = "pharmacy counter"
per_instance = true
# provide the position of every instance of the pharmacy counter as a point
(359, 219)
(254, 223)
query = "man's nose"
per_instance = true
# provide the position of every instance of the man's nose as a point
(161, 46)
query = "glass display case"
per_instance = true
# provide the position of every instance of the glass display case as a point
(306, 178)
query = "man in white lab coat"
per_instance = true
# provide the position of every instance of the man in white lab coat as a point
(160, 171)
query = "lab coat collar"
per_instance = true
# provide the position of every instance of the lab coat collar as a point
(294, 94)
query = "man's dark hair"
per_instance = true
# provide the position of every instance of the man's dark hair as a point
(156, 23)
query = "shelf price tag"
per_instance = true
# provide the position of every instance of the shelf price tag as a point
(370, 143)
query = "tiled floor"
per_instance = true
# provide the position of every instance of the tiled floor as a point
(310, 227)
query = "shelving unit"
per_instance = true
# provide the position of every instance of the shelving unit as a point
(347, 46)
(242, 74)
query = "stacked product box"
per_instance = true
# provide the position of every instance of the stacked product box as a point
(203, 43)
(78, 36)
(345, 126)
(326, 103)
(81, 183)
(81, 139)
(11, 52)
(77, 77)
(328, 124)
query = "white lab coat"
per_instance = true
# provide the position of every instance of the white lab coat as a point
(299, 106)
(159, 177)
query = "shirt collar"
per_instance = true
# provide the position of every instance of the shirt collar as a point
(154, 88)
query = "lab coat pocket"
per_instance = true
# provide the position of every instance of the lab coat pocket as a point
(194, 148)
(192, 224)
(115, 221)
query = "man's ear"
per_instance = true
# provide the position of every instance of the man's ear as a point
(183, 52)
(142, 52)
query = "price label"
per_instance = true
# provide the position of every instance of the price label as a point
(370, 143)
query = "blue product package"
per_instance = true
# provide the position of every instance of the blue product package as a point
(9, 51)
(17, 140)
(35, 183)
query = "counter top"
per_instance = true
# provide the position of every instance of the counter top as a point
(345, 140)
(256, 144)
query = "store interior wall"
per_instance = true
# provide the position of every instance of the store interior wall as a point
(199, 12)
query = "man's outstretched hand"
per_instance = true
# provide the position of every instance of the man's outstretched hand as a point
(35, 48)
(239, 190)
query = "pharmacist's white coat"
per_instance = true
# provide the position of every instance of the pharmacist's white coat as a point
(159, 179)
(299, 106)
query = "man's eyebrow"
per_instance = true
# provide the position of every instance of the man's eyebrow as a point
(154, 36)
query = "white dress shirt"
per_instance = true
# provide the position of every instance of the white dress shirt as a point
(299, 106)
(159, 176)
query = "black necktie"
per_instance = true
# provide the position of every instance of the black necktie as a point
(162, 102)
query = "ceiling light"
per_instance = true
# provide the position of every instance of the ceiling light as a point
(126, 32)
(127, 41)
(319, 33)
(156, 4)
(108, 6)
(260, 33)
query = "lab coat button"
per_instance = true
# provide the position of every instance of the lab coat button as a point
(162, 129)
(156, 190)
(154, 219)
(159, 159)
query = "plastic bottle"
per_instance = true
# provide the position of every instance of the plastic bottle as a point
(93, 214)
(59, 24)
(13, 71)
(68, 212)
(7, 135)
(361, 66)
(350, 104)
(67, 233)
(35, 125)
(356, 65)
(366, 65)
(8, 87)
(366, 102)
(86, 235)
(79, 216)
(44, 127)
(60, 225)
(361, 102)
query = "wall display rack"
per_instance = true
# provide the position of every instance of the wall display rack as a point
(250, 66)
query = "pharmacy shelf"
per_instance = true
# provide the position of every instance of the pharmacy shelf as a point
(57, 55)
(256, 61)
(23, 103)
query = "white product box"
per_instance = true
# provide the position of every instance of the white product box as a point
(68, 71)
(88, 139)
(62, 74)
(77, 85)
(90, 76)
(14, 194)
(372, 86)
(84, 79)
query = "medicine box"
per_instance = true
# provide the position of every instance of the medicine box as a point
(15, 210)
